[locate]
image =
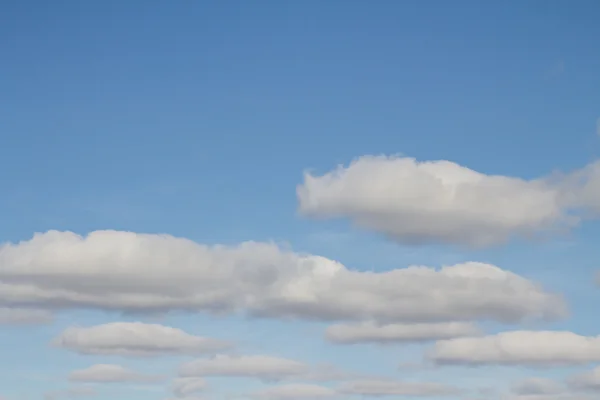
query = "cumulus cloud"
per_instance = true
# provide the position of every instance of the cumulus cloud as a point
(533, 348)
(135, 339)
(126, 271)
(24, 316)
(184, 387)
(395, 388)
(110, 373)
(442, 202)
(261, 367)
(370, 332)
(296, 391)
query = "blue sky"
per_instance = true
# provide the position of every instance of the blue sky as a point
(199, 119)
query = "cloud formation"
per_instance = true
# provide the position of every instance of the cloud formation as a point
(296, 391)
(537, 386)
(396, 388)
(184, 387)
(532, 348)
(369, 332)
(443, 202)
(260, 367)
(136, 339)
(24, 316)
(126, 271)
(587, 381)
(110, 373)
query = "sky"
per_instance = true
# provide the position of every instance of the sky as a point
(275, 200)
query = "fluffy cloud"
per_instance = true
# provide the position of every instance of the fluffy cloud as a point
(369, 332)
(135, 339)
(395, 388)
(183, 387)
(534, 348)
(260, 367)
(297, 391)
(110, 373)
(125, 271)
(441, 201)
(24, 316)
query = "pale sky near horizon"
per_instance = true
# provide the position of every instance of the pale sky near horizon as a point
(269, 200)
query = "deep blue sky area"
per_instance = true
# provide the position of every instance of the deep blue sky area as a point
(198, 119)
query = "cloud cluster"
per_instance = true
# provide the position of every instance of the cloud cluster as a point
(409, 201)
(127, 271)
(440, 201)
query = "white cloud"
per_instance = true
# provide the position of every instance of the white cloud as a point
(441, 201)
(24, 316)
(369, 332)
(299, 391)
(135, 339)
(183, 387)
(260, 367)
(125, 271)
(110, 373)
(396, 388)
(534, 348)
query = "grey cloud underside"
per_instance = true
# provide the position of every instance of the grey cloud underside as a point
(442, 202)
(126, 271)
(24, 316)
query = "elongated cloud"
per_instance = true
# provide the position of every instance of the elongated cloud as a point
(136, 339)
(442, 202)
(537, 386)
(184, 387)
(24, 316)
(260, 367)
(296, 391)
(369, 332)
(125, 271)
(587, 381)
(533, 348)
(397, 388)
(110, 373)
